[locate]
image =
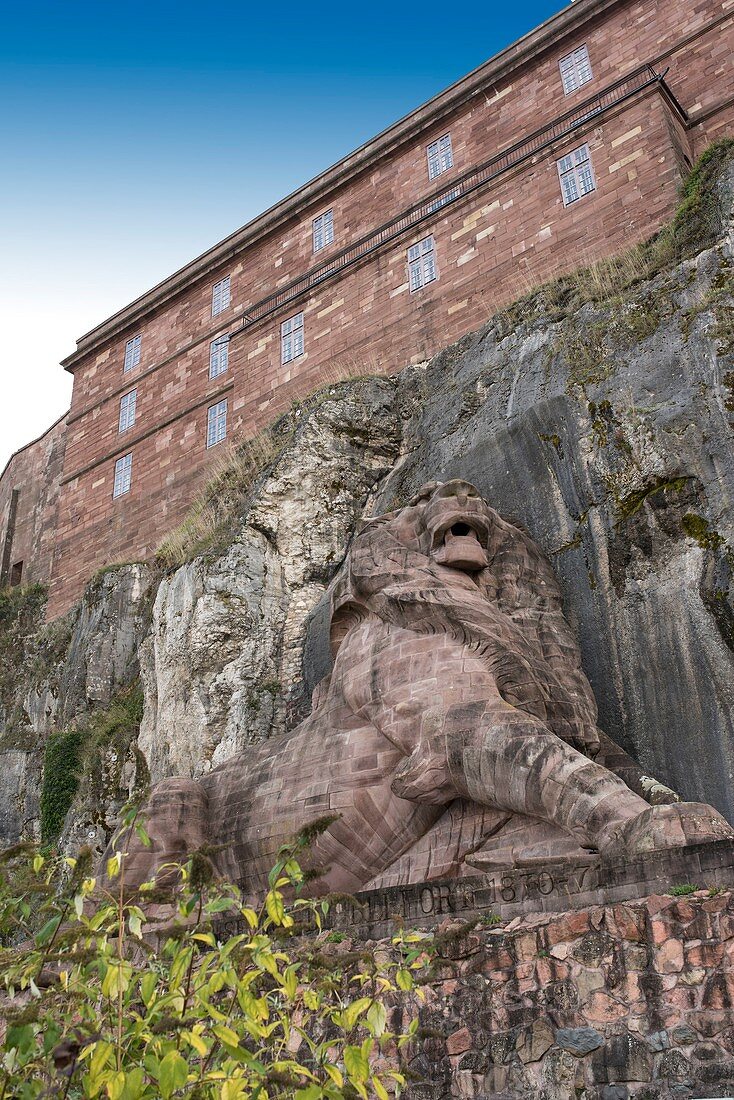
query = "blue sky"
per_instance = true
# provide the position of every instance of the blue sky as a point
(133, 136)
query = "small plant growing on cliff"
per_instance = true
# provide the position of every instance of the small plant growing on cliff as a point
(223, 999)
(683, 889)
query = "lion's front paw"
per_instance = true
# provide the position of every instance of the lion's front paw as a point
(673, 826)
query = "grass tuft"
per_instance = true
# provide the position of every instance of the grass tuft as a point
(696, 225)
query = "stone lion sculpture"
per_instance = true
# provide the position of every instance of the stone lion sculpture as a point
(456, 730)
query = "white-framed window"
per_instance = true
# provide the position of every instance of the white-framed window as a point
(576, 175)
(575, 70)
(220, 296)
(132, 353)
(218, 356)
(216, 423)
(440, 156)
(127, 410)
(422, 264)
(123, 476)
(323, 230)
(291, 338)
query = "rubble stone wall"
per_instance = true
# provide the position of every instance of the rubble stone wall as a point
(604, 1003)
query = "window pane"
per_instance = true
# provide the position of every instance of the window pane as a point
(127, 410)
(132, 353)
(218, 356)
(575, 69)
(570, 191)
(216, 428)
(123, 476)
(220, 296)
(291, 338)
(440, 157)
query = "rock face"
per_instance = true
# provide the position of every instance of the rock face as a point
(222, 664)
(612, 1002)
(55, 676)
(608, 435)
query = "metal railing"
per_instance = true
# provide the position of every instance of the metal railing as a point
(523, 150)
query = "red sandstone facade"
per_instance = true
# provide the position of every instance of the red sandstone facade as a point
(494, 221)
(29, 490)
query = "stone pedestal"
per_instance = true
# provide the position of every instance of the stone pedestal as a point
(539, 887)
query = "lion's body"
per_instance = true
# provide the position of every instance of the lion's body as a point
(447, 685)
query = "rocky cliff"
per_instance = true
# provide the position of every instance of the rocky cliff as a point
(597, 413)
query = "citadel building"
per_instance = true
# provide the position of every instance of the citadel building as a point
(562, 149)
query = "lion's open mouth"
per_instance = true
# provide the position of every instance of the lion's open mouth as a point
(461, 531)
(461, 545)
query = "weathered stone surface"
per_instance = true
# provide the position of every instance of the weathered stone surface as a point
(579, 1040)
(608, 436)
(627, 1056)
(222, 664)
(65, 672)
(623, 1058)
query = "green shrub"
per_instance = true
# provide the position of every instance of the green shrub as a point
(107, 1003)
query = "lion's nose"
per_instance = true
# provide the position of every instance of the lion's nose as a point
(458, 488)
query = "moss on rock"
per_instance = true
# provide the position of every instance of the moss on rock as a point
(89, 757)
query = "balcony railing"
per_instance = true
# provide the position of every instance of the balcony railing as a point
(458, 189)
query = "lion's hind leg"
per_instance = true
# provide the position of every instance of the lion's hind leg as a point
(175, 819)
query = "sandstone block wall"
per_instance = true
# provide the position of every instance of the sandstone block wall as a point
(489, 247)
(368, 320)
(29, 490)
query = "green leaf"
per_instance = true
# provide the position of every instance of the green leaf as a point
(48, 930)
(290, 981)
(194, 1039)
(404, 979)
(114, 863)
(274, 906)
(352, 1012)
(356, 1065)
(21, 1037)
(148, 986)
(102, 1052)
(232, 1089)
(142, 836)
(172, 1074)
(134, 1084)
(219, 905)
(379, 1088)
(226, 1035)
(116, 1085)
(335, 1074)
(376, 1019)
